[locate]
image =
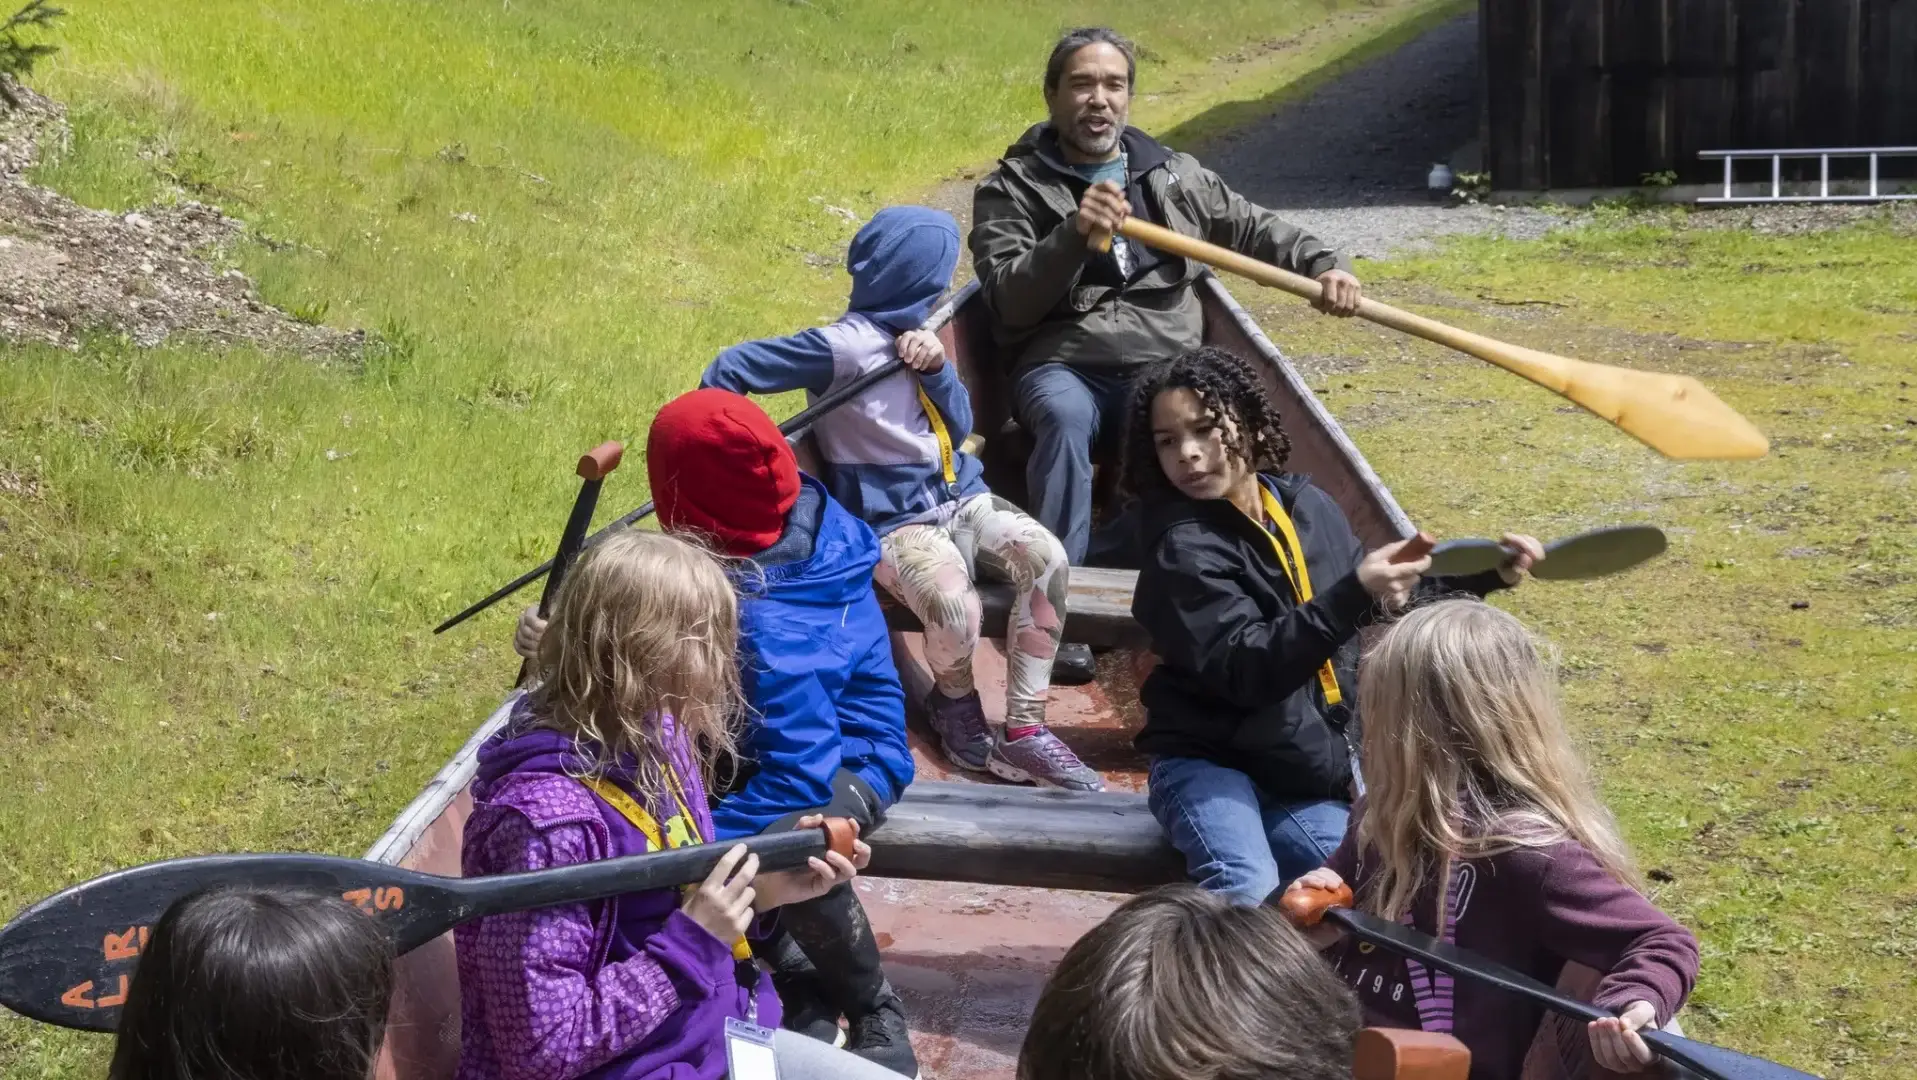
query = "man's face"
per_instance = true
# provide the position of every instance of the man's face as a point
(1091, 101)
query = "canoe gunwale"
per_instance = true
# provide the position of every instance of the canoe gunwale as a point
(1327, 424)
(411, 824)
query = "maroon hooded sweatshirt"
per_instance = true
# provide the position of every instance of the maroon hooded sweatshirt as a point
(1534, 910)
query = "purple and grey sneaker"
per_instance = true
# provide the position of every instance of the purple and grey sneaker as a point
(1041, 758)
(962, 730)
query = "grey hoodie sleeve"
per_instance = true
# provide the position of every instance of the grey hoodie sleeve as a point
(1022, 274)
(1235, 222)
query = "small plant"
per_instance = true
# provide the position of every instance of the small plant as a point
(311, 314)
(17, 57)
(1661, 178)
(1471, 187)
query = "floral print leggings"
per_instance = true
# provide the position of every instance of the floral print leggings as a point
(930, 569)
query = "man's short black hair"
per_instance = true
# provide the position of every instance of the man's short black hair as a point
(1075, 40)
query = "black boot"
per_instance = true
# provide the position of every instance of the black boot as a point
(836, 937)
(802, 997)
(1073, 665)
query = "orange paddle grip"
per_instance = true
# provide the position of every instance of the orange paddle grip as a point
(1305, 907)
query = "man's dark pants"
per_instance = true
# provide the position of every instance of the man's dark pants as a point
(1068, 412)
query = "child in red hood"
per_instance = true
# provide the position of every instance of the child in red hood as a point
(825, 724)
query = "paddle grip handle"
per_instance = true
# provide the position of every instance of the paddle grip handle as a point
(1306, 907)
(599, 462)
(1415, 548)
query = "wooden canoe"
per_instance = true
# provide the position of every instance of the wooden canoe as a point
(976, 887)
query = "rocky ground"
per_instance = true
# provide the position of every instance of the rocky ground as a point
(67, 270)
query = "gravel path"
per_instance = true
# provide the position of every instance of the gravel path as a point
(1349, 161)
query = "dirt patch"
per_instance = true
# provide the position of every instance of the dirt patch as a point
(67, 270)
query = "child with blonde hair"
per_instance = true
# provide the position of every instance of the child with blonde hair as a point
(610, 755)
(1482, 827)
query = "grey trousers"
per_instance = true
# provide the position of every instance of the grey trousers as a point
(803, 1058)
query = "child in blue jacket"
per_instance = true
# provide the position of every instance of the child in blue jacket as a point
(825, 730)
(894, 457)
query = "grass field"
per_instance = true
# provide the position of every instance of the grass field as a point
(1751, 699)
(218, 570)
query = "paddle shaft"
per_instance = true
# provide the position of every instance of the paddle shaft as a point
(794, 427)
(593, 470)
(616, 877)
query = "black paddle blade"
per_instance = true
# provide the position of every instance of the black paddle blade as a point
(1711, 1061)
(1600, 553)
(68, 959)
(1457, 558)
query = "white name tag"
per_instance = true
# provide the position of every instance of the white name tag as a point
(749, 1053)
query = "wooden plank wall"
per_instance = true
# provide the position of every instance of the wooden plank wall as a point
(1597, 93)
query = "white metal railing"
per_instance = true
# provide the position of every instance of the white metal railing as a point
(1874, 193)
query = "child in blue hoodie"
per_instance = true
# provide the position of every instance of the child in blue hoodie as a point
(825, 725)
(894, 459)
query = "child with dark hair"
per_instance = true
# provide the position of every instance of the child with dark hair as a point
(1180, 983)
(1253, 590)
(258, 983)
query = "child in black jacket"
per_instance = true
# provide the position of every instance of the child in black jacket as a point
(1250, 716)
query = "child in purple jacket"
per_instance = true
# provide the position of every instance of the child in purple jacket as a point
(608, 756)
(1481, 827)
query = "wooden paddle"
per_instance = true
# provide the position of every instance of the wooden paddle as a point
(67, 960)
(1306, 907)
(593, 469)
(791, 429)
(1672, 414)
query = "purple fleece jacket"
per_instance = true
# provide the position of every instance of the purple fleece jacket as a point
(622, 989)
(1533, 910)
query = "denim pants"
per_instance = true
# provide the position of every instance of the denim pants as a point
(1068, 412)
(1235, 838)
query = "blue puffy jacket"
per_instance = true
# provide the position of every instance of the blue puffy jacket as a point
(816, 663)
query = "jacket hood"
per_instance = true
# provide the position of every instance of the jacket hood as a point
(1160, 515)
(1040, 142)
(901, 263)
(523, 747)
(825, 557)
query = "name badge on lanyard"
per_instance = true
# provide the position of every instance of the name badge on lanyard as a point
(749, 1054)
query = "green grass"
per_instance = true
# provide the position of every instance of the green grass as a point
(1762, 755)
(220, 567)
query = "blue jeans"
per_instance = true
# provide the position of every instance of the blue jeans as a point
(1235, 838)
(1067, 412)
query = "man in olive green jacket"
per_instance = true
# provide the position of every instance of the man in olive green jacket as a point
(1073, 322)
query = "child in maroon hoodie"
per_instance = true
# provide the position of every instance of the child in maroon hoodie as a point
(1481, 827)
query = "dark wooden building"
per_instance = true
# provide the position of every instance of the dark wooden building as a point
(1599, 93)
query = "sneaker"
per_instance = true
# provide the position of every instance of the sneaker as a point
(802, 998)
(963, 733)
(882, 1037)
(1073, 665)
(1042, 758)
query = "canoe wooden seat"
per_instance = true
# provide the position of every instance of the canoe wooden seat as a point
(994, 834)
(1099, 614)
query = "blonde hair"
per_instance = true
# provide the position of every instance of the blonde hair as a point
(1466, 755)
(645, 624)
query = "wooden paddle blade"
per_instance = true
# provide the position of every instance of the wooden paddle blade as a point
(1673, 414)
(68, 959)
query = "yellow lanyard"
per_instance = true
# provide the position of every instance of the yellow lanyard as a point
(658, 839)
(941, 434)
(1300, 577)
